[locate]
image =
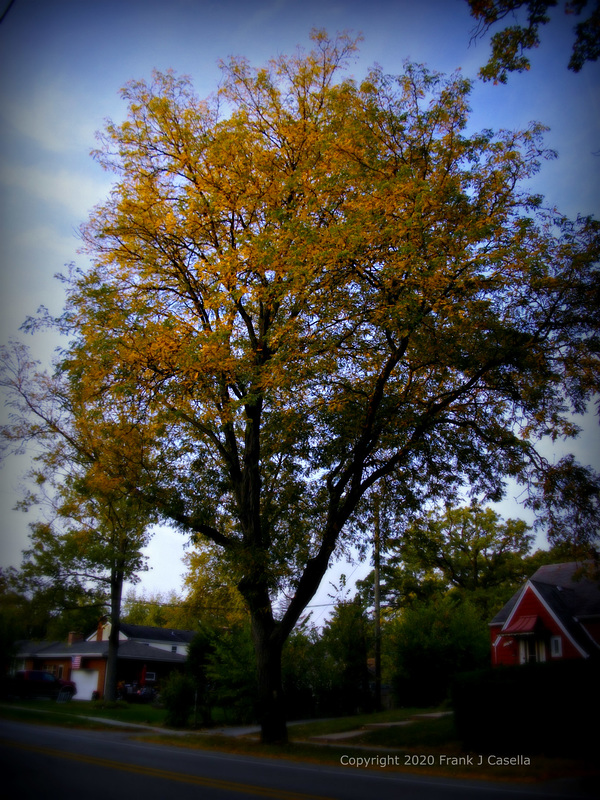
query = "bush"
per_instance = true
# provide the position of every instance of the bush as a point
(177, 695)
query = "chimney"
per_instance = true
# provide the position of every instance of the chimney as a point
(102, 622)
(74, 636)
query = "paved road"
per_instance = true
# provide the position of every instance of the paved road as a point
(44, 761)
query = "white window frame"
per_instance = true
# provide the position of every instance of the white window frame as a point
(556, 649)
(525, 650)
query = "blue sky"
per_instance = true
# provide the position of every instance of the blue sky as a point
(63, 62)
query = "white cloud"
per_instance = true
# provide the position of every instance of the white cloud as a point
(54, 118)
(76, 191)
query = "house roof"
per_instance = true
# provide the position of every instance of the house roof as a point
(135, 651)
(568, 591)
(565, 584)
(151, 634)
(171, 635)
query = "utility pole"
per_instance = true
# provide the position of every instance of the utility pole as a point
(376, 559)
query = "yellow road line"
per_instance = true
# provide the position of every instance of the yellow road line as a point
(212, 783)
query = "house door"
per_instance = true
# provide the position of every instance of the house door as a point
(86, 681)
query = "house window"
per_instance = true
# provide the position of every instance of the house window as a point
(556, 647)
(60, 671)
(532, 650)
(173, 648)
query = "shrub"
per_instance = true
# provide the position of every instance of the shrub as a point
(544, 708)
(177, 696)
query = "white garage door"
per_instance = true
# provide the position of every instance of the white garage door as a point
(86, 681)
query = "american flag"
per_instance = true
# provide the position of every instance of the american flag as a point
(76, 662)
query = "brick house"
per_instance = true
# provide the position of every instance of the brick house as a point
(146, 656)
(554, 616)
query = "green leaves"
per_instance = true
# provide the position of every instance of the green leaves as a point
(465, 552)
(509, 45)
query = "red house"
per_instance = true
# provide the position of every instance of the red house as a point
(554, 616)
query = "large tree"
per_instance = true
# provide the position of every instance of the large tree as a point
(313, 285)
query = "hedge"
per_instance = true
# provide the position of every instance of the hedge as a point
(551, 708)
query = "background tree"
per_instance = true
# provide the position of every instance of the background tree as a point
(346, 644)
(305, 675)
(425, 645)
(158, 609)
(233, 684)
(95, 542)
(13, 613)
(509, 45)
(96, 524)
(19, 618)
(200, 652)
(35, 607)
(311, 285)
(211, 597)
(572, 512)
(468, 549)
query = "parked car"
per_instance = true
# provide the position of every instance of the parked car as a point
(36, 683)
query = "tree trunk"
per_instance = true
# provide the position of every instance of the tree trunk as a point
(116, 591)
(271, 706)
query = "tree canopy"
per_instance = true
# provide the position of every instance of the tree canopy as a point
(509, 45)
(467, 552)
(309, 284)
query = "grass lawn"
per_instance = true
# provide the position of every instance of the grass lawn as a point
(341, 724)
(74, 712)
(424, 746)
